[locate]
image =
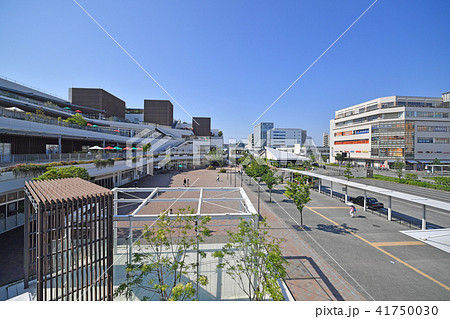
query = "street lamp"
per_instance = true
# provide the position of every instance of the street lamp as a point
(235, 175)
(259, 180)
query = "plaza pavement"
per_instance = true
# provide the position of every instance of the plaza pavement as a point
(335, 257)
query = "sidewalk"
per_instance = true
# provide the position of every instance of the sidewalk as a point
(310, 277)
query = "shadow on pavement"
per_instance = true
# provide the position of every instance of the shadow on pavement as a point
(298, 270)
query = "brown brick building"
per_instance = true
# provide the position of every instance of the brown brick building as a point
(158, 111)
(99, 99)
(201, 126)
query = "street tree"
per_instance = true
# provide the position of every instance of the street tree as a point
(339, 157)
(398, 166)
(298, 191)
(163, 264)
(271, 180)
(253, 259)
(348, 171)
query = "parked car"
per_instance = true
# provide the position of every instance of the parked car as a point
(371, 202)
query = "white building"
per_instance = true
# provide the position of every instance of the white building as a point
(415, 130)
(260, 135)
(285, 137)
(326, 139)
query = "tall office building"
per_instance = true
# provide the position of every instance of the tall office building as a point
(415, 130)
(98, 99)
(201, 126)
(326, 139)
(158, 111)
(260, 134)
(285, 137)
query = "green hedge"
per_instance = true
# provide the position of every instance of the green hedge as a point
(411, 182)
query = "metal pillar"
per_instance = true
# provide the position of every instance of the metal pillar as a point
(424, 218)
(346, 193)
(331, 189)
(390, 208)
(320, 184)
(365, 200)
(258, 197)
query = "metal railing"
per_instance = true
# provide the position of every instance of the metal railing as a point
(9, 160)
(52, 121)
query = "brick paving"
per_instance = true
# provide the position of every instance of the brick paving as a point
(310, 277)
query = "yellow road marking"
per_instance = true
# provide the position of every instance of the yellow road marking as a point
(398, 243)
(383, 251)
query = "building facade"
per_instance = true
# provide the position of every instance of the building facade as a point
(201, 126)
(260, 134)
(326, 139)
(158, 112)
(285, 137)
(99, 99)
(415, 130)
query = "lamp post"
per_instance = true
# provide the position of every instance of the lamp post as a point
(259, 180)
(235, 175)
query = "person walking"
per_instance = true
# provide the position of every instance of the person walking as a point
(352, 210)
(184, 182)
(217, 178)
(187, 181)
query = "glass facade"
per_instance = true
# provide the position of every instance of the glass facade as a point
(393, 140)
(11, 210)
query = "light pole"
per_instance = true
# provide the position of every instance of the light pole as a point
(235, 175)
(259, 180)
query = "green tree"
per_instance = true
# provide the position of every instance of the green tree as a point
(76, 119)
(398, 166)
(253, 259)
(339, 157)
(146, 147)
(63, 172)
(436, 162)
(161, 264)
(298, 191)
(256, 170)
(271, 180)
(220, 133)
(348, 171)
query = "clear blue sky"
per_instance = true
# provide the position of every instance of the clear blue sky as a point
(231, 59)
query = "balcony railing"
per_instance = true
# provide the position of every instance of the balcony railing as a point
(52, 121)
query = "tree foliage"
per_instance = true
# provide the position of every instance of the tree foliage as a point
(256, 169)
(339, 157)
(398, 166)
(298, 191)
(63, 172)
(76, 119)
(162, 265)
(253, 259)
(271, 180)
(146, 147)
(348, 171)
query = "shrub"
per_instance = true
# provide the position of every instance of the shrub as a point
(211, 167)
(222, 170)
(104, 163)
(411, 177)
(442, 180)
(63, 172)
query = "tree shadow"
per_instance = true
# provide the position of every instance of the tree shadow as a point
(340, 230)
(301, 228)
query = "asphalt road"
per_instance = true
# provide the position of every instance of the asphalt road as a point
(368, 251)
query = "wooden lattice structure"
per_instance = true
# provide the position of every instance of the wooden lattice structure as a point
(69, 239)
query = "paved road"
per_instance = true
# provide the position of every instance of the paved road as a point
(368, 251)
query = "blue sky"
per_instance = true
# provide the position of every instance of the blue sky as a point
(231, 59)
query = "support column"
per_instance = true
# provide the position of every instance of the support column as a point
(26, 240)
(320, 184)
(365, 200)
(424, 218)
(331, 189)
(346, 194)
(390, 208)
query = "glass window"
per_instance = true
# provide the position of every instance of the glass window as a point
(12, 209)
(12, 196)
(3, 198)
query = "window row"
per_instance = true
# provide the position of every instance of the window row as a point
(366, 141)
(435, 140)
(427, 114)
(423, 128)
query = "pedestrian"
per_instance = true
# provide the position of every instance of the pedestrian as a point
(184, 182)
(217, 178)
(352, 210)
(187, 181)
